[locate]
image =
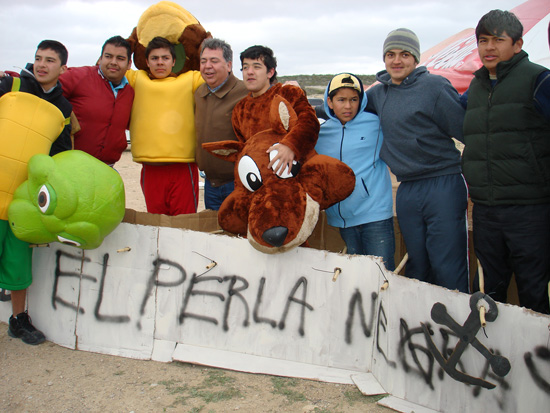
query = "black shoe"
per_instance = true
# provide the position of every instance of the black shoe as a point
(21, 327)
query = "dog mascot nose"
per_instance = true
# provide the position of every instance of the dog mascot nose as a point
(275, 236)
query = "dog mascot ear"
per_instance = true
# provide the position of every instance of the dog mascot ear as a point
(278, 213)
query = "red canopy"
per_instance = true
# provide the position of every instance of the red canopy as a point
(456, 58)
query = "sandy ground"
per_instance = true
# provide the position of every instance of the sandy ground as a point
(50, 378)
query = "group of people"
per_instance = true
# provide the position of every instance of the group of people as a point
(168, 116)
(409, 121)
(406, 122)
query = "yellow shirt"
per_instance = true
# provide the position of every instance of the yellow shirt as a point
(162, 124)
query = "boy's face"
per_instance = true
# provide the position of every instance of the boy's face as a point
(399, 64)
(256, 77)
(160, 62)
(47, 68)
(344, 104)
(214, 68)
(495, 49)
(114, 63)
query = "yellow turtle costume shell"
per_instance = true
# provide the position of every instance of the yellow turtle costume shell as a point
(28, 125)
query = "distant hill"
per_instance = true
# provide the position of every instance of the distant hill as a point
(315, 85)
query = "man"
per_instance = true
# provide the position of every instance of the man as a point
(419, 114)
(251, 115)
(41, 80)
(102, 101)
(162, 131)
(214, 102)
(506, 162)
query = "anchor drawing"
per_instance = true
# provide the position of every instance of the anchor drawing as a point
(467, 336)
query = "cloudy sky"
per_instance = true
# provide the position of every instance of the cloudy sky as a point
(307, 36)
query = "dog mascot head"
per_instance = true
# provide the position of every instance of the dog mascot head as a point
(277, 214)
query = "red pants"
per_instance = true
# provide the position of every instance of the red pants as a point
(170, 189)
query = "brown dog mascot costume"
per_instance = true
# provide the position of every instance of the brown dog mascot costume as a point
(277, 214)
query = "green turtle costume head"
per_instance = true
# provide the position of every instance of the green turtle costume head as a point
(71, 197)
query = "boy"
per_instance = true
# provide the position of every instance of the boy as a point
(506, 163)
(353, 136)
(39, 79)
(162, 131)
(420, 113)
(251, 115)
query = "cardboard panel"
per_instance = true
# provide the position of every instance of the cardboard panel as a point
(161, 297)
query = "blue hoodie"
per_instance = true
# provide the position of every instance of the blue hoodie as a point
(357, 144)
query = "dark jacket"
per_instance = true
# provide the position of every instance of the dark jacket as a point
(506, 159)
(418, 117)
(30, 85)
(103, 118)
(213, 123)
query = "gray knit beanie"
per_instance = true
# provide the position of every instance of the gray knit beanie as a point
(403, 39)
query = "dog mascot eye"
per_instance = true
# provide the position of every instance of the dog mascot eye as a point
(249, 174)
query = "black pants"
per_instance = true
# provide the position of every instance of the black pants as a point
(514, 239)
(432, 218)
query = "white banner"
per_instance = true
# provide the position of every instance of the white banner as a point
(164, 293)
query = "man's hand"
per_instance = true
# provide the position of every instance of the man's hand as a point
(283, 160)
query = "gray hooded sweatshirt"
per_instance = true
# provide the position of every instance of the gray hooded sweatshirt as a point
(418, 118)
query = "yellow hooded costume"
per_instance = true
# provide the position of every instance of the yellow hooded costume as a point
(162, 124)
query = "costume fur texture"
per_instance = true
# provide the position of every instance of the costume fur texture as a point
(277, 214)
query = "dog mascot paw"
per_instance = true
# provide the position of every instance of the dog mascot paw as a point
(278, 213)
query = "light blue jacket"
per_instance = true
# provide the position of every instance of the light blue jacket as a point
(357, 144)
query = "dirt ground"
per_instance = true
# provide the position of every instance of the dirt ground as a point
(50, 378)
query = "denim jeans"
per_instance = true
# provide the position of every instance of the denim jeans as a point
(214, 196)
(374, 238)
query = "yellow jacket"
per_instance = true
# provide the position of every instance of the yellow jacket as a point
(162, 124)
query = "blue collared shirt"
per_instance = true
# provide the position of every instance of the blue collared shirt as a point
(115, 89)
(214, 90)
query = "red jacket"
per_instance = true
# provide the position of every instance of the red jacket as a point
(103, 119)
